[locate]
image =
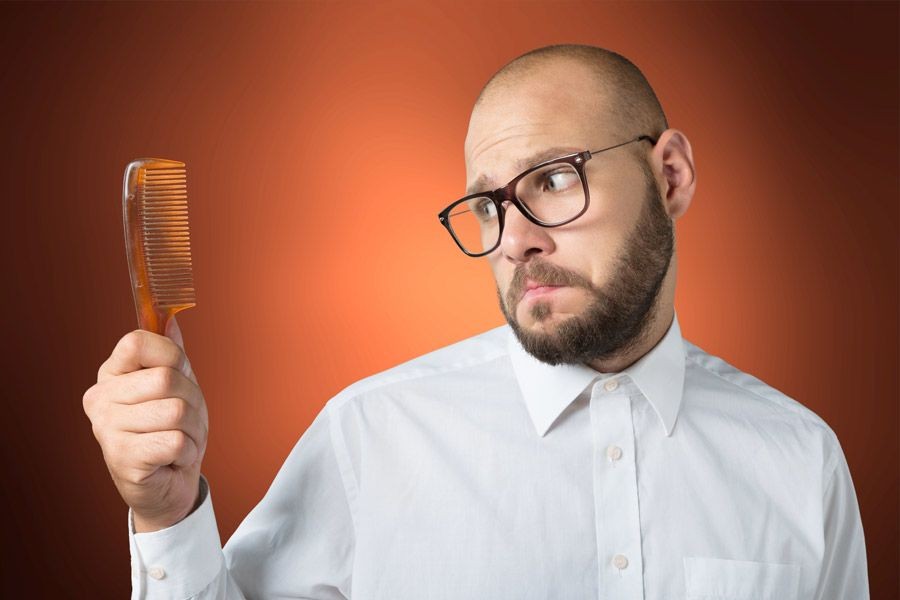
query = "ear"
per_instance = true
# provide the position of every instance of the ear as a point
(673, 159)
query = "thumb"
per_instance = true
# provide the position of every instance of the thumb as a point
(173, 332)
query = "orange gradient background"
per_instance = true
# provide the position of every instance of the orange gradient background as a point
(321, 141)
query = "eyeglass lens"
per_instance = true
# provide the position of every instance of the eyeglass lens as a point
(552, 194)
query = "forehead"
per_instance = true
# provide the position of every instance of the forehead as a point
(556, 105)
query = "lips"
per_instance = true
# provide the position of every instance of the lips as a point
(539, 279)
(533, 289)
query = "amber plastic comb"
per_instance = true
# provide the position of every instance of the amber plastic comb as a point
(157, 240)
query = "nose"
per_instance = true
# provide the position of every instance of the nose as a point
(521, 239)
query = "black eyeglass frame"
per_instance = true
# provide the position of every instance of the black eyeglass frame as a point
(507, 194)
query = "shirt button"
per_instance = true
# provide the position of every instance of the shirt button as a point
(619, 561)
(613, 453)
(611, 385)
(157, 573)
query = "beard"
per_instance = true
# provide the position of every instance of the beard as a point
(620, 313)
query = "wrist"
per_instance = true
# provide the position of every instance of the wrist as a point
(151, 523)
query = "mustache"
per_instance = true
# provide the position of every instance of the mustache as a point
(544, 273)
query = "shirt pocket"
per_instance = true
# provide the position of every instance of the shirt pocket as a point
(721, 579)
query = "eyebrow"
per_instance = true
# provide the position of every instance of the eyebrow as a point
(483, 183)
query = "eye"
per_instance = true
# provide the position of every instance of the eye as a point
(484, 209)
(560, 180)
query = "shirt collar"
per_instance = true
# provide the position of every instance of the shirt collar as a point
(549, 389)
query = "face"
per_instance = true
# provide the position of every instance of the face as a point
(585, 290)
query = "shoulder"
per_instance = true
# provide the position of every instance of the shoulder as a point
(736, 395)
(471, 353)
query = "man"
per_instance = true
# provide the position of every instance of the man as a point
(585, 451)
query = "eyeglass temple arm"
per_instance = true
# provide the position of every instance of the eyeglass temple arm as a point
(637, 139)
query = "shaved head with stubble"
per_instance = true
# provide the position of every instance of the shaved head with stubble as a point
(612, 270)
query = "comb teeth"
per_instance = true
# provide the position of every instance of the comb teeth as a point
(162, 208)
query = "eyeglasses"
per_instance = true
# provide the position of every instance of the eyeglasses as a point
(551, 193)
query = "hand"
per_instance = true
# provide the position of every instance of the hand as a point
(150, 418)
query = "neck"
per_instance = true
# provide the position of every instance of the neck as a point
(658, 325)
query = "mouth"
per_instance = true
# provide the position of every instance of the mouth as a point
(536, 289)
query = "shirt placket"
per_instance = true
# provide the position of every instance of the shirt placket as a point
(617, 520)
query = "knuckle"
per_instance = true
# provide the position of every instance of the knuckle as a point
(175, 442)
(94, 407)
(132, 342)
(87, 399)
(164, 379)
(170, 350)
(175, 411)
(132, 475)
(98, 425)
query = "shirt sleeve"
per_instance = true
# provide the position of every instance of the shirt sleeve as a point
(844, 571)
(297, 542)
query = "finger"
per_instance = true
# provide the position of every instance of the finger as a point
(173, 332)
(162, 448)
(165, 414)
(148, 384)
(141, 349)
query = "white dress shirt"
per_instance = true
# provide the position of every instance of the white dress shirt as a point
(478, 472)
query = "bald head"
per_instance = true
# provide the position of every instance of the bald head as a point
(623, 93)
(546, 107)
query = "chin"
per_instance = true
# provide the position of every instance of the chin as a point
(546, 321)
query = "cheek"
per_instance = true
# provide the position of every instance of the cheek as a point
(593, 248)
(501, 270)
(586, 253)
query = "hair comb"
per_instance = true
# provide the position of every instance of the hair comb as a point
(157, 240)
